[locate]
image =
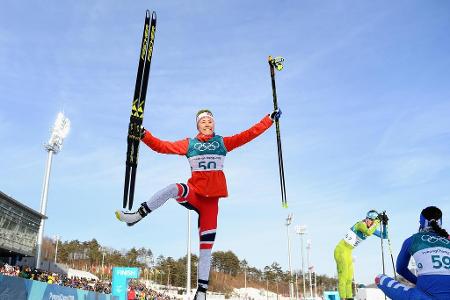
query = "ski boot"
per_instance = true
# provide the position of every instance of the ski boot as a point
(132, 218)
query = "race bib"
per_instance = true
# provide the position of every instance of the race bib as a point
(352, 239)
(433, 260)
(207, 162)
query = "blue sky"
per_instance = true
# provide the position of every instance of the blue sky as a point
(365, 123)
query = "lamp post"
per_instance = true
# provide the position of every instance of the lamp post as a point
(103, 261)
(291, 286)
(54, 145)
(245, 283)
(244, 265)
(188, 259)
(301, 231)
(315, 284)
(308, 256)
(56, 247)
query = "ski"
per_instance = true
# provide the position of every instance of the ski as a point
(277, 63)
(137, 107)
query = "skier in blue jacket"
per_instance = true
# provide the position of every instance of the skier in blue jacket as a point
(430, 248)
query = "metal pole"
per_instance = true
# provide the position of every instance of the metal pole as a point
(296, 286)
(188, 263)
(308, 248)
(43, 208)
(315, 285)
(103, 262)
(301, 230)
(245, 283)
(291, 285)
(56, 249)
(59, 132)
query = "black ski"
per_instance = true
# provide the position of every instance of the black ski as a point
(137, 108)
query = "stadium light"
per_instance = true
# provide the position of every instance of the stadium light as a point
(301, 230)
(59, 132)
(56, 247)
(291, 285)
(188, 258)
(308, 257)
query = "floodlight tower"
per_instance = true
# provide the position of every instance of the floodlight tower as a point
(301, 231)
(308, 257)
(291, 285)
(54, 145)
(188, 258)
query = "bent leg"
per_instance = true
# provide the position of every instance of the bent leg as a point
(158, 199)
(397, 291)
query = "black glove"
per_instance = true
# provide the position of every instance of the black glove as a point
(383, 218)
(136, 132)
(275, 115)
(141, 131)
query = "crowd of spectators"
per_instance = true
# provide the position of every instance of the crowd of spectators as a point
(136, 291)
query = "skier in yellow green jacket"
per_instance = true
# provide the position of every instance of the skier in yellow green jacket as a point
(343, 251)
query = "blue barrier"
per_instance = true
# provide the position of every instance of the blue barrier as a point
(120, 278)
(331, 296)
(16, 288)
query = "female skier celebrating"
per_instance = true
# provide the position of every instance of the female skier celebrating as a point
(343, 251)
(430, 248)
(206, 153)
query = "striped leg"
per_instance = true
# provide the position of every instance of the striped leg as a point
(209, 209)
(397, 291)
(207, 238)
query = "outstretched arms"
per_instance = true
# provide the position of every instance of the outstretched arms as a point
(178, 147)
(237, 140)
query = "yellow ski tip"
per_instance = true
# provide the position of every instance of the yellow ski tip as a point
(285, 205)
(117, 213)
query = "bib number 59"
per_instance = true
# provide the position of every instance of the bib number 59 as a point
(439, 262)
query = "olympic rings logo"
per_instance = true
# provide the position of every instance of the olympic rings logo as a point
(206, 146)
(433, 239)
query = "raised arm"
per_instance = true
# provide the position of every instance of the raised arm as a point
(178, 147)
(381, 234)
(361, 226)
(237, 140)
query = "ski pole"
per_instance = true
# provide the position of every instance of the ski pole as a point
(392, 256)
(382, 251)
(382, 246)
(277, 63)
